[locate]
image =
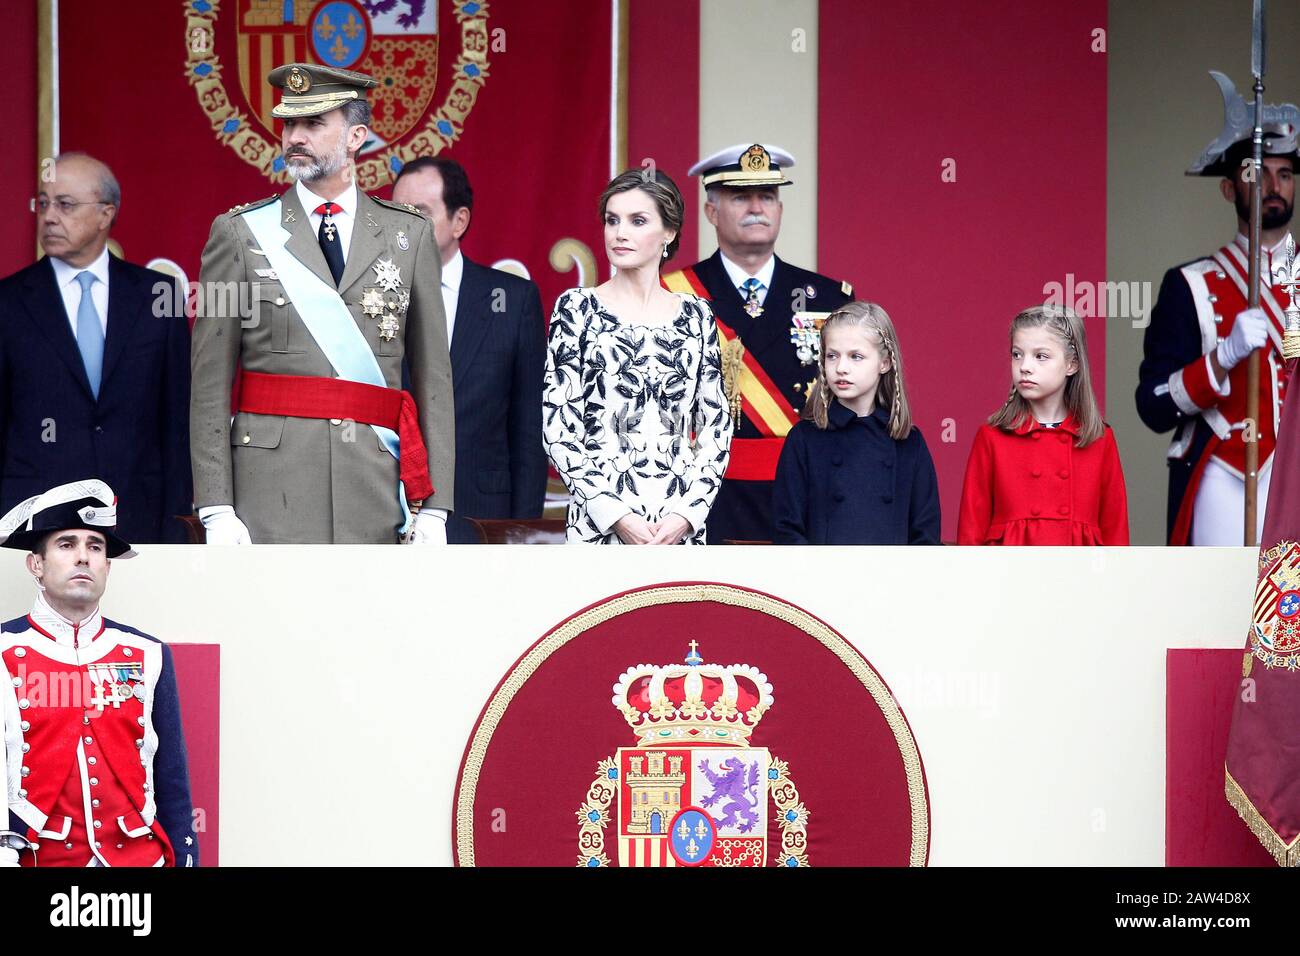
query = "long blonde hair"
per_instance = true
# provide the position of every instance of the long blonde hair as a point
(874, 321)
(1067, 327)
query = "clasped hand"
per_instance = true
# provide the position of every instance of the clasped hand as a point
(633, 529)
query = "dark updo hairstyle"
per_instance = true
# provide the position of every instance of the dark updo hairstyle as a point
(659, 187)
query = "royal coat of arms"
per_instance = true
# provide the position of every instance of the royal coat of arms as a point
(395, 41)
(696, 766)
(693, 792)
(1275, 628)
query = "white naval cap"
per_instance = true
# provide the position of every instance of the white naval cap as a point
(744, 165)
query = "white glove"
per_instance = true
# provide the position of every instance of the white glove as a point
(429, 527)
(8, 856)
(1249, 332)
(223, 525)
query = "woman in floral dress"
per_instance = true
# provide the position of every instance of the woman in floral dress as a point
(635, 418)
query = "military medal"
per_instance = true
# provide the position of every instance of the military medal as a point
(388, 327)
(387, 275)
(372, 302)
(402, 242)
(805, 335)
(330, 229)
(752, 305)
(118, 680)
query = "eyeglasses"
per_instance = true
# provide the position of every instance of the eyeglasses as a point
(66, 206)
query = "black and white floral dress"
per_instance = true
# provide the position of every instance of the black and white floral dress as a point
(620, 406)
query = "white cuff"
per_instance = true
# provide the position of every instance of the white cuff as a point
(604, 510)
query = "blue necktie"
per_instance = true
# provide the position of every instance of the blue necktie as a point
(90, 334)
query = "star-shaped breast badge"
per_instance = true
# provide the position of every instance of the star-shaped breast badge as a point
(387, 275)
(372, 302)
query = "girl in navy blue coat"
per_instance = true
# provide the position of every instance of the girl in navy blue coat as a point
(856, 470)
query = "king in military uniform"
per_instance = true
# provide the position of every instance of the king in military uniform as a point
(1193, 377)
(340, 287)
(765, 310)
(95, 756)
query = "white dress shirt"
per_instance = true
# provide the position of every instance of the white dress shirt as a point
(343, 221)
(70, 289)
(739, 275)
(451, 276)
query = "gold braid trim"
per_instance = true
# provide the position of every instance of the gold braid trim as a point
(591, 832)
(722, 594)
(733, 360)
(794, 833)
(1286, 854)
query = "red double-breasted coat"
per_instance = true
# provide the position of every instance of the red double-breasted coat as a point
(1036, 486)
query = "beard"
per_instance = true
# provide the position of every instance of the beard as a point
(1270, 217)
(319, 167)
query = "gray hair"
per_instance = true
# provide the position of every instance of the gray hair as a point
(357, 113)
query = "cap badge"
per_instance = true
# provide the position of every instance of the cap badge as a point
(298, 81)
(756, 160)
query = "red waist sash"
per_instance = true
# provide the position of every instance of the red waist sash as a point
(309, 396)
(754, 459)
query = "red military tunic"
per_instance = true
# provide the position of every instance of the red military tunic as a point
(80, 740)
(1035, 486)
(1181, 393)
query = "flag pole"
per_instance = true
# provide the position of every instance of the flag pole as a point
(1252, 365)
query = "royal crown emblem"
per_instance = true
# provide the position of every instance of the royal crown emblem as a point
(693, 792)
(398, 42)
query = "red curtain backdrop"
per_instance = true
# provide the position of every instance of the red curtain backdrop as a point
(663, 103)
(535, 143)
(1201, 828)
(1010, 90)
(18, 47)
(198, 681)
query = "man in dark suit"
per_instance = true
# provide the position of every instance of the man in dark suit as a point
(498, 357)
(94, 364)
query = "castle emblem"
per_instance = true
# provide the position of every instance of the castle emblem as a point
(399, 42)
(693, 792)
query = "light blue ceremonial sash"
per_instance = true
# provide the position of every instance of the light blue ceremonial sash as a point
(323, 311)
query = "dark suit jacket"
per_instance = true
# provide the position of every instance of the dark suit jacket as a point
(135, 436)
(498, 359)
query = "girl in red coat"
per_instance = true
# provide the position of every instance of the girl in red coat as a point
(1045, 469)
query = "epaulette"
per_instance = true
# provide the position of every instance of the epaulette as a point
(242, 207)
(400, 206)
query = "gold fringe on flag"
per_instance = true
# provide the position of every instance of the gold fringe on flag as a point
(1286, 854)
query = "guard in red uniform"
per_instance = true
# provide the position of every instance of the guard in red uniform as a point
(93, 748)
(1193, 374)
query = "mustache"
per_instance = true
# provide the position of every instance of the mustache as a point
(755, 220)
(299, 151)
